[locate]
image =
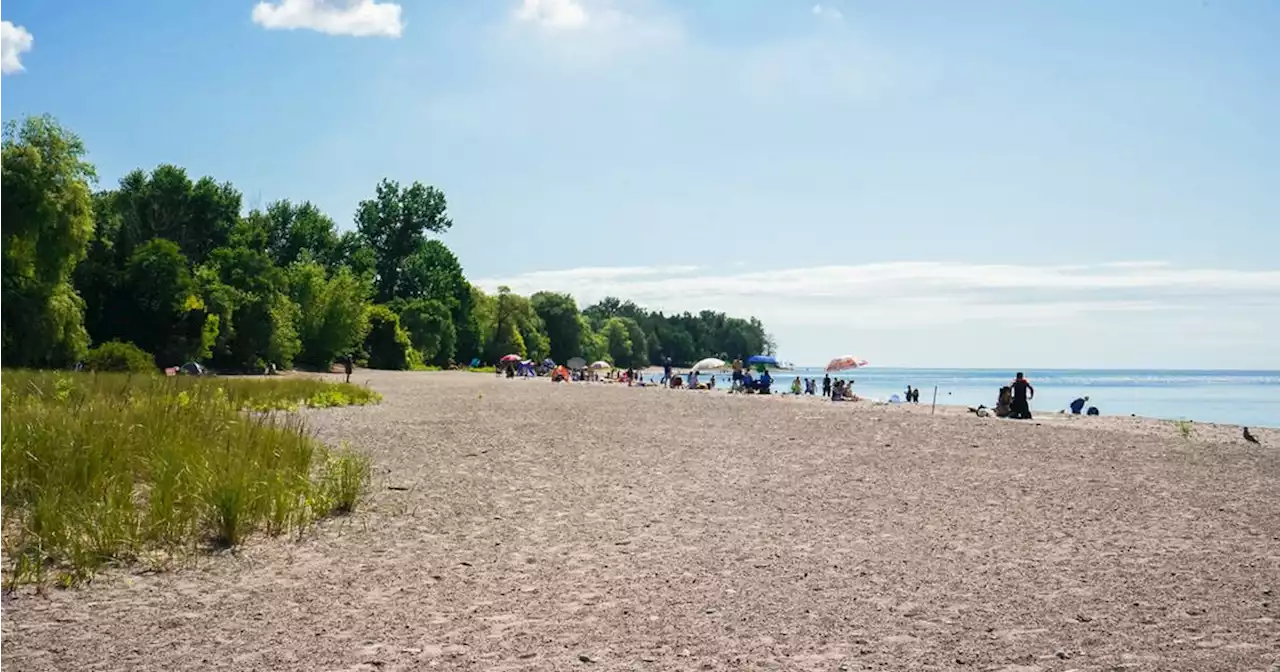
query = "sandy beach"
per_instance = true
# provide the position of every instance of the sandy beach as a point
(517, 524)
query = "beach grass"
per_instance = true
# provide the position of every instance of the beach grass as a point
(112, 469)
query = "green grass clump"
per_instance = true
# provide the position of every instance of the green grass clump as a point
(1186, 429)
(114, 468)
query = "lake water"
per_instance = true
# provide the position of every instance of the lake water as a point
(1250, 398)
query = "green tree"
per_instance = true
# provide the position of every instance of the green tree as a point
(394, 225)
(564, 327)
(263, 319)
(48, 222)
(200, 217)
(333, 311)
(300, 231)
(431, 330)
(166, 315)
(386, 343)
(617, 338)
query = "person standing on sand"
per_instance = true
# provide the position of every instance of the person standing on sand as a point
(826, 385)
(1023, 393)
(347, 366)
(666, 371)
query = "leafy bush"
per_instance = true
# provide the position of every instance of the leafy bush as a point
(387, 344)
(116, 356)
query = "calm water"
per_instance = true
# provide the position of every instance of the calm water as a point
(1250, 398)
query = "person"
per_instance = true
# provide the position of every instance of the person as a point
(347, 365)
(795, 386)
(666, 371)
(826, 385)
(1004, 402)
(766, 382)
(1077, 406)
(907, 397)
(1023, 393)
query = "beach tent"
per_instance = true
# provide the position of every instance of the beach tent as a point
(192, 369)
(576, 363)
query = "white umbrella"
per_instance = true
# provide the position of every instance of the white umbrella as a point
(576, 363)
(709, 363)
(601, 365)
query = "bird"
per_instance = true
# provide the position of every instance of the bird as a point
(1249, 437)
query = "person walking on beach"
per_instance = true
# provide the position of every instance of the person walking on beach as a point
(1023, 393)
(347, 366)
(826, 385)
(666, 371)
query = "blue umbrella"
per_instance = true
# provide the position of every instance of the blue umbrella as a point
(766, 360)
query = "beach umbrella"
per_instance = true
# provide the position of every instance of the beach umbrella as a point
(576, 363)
(845, 363)
(549, 363)
(601, 365)
(763, 360)
(511, 358)
(709, 363)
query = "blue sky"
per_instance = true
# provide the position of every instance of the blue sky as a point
(917, 183)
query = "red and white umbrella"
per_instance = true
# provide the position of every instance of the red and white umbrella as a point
(845, 363)
(510, 358)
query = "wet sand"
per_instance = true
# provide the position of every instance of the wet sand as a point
(517, 524)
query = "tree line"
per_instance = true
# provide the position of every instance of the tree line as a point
(172, 266)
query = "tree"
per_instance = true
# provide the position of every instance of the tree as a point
(263, 318)
(48, 222)
(559, 313)
(394, 223)
(200, 217)
(617, 340)
(165, 315)
(386, 344)
(639, 356)
(430, 328)
(300, 231)
(333, 311)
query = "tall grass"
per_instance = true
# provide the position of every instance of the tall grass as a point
(111, 468)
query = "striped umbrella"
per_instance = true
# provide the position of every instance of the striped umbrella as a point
(845, 363)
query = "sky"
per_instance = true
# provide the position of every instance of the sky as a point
(926, 183)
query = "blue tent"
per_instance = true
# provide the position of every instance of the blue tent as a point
(766, 360)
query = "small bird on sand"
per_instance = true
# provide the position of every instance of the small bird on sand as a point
(1249, 437)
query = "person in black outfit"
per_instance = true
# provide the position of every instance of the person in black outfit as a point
(826, 385)
(1023, 393)
(348, 364)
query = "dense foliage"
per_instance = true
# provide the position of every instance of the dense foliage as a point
(171, 265)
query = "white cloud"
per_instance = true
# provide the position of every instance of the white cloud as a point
(828, 12)
(14, 42)
(358, 18)
(566, 14)
(815, 311)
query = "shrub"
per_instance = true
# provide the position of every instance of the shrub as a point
(387, 343)
(117, 356)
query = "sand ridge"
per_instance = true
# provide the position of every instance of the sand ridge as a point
(540, 526)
